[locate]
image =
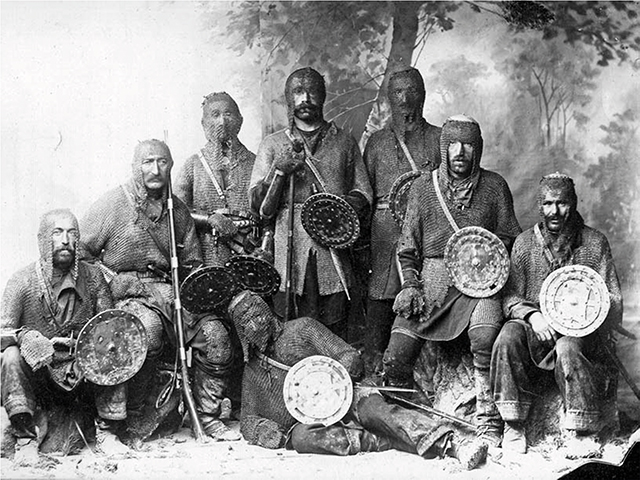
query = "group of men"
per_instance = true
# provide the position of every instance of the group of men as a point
(225, 198)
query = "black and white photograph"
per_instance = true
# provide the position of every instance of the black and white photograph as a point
(319, 239)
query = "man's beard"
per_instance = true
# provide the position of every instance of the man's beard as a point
(309, 112)
(64, 263)
(404, 118)
(219, 134)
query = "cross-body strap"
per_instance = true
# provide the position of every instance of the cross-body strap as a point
(545, 248)
(309, 159)
(445, 209)
(407, 153)
(215, 182)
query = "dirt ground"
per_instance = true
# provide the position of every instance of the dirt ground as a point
(180, 456)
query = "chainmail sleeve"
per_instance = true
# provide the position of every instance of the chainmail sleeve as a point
(507, 226)
(410, 242)
(183, 186)
(515, 302)
(261, 174)
(99, 289)
(12, 302)
(360, 180)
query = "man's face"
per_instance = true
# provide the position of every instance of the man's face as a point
(405, 97)
(307, 105)
(460, 157)
(155, 166)
(64, 236)
(556, 209)
(220, 121)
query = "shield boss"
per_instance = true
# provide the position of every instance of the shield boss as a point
(330, 221)
(477, 262)
(207, 289)
(111, 347)
(399, 195)
(318, 389)
(574, 300)
(254, 274)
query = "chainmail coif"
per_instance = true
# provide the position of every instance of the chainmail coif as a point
(262, 383)
(312, 80)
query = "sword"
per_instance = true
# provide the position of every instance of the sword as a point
(339, 271)
(439, 413)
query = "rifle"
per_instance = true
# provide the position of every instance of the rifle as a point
(297, 147)
(198, 431)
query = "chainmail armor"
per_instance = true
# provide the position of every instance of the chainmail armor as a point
(36, 349)
(218, 342)
(340, 164)
(194, 186)
(262, 383)
(385, 162)
(529, 268)
(426, 229)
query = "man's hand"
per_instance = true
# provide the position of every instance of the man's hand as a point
(222, 225)
(409, 302)
(542, 329)
(36, 349)
(290, 162)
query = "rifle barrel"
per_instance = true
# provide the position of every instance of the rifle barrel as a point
(196, 425)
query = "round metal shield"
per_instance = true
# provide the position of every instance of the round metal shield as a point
(574, 300)
(330, 220)
(318, 389)
(111, 347)
(477, 262)
(207, 289)
(399, 195)
(254, 274)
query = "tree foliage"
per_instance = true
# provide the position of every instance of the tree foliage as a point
(616, 179)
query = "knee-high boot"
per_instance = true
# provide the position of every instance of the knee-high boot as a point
(487, 416)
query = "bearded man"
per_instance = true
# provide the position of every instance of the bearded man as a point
(51, 298)
(324, 157)
(528, 345)
(127, 229)
(213, 183)
(271, 347)
(429, 306)
(408, 144)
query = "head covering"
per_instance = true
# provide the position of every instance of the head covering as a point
(234, 127)
(561, 244)
(460, 128)
(136, 185)
(45, 243)
(312, 80)
(255, 323)
(414, 75)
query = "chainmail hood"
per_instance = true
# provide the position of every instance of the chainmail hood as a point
(234, 125)
(45, 244)
(397, 116)
(464, 129)
(256, 324)
(136, 185)
(312, 80)
(563, 243)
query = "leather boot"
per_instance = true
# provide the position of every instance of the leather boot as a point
(514, 438)
(370, 442)
(488, 418)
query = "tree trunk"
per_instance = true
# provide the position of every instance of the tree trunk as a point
(405, 33)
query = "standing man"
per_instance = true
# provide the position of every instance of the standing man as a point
(213, 184)
(127, 229)
(408, 144)
(429, 307)
(319, 154)
(528, 345)
(51, 298)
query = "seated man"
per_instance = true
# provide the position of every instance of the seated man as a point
(127, 229)
(271, 346)
(528, 345)
(460, 193)
(47, 300)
